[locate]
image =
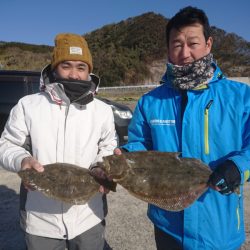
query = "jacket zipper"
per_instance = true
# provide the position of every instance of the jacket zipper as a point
(238, 217)
(238, 211)
(206, 132)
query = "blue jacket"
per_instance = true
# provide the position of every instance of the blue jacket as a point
(215, 127)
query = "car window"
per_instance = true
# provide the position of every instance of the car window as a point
(35, 87)
(12, 88)
(11, 92)
(34, 84)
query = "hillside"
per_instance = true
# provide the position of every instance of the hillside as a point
(131, 51)
(21, 56)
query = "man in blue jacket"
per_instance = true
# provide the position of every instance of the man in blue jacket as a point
(199, 112)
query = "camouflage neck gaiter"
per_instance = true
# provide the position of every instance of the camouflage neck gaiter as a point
(192, 75)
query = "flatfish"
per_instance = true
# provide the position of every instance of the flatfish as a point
(62, 181)
(159, 178)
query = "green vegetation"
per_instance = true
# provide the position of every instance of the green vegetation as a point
(124, 53)
(21, 56)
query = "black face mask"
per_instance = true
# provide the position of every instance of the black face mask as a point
(80, 92)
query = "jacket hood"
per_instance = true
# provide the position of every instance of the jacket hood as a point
(55, 90)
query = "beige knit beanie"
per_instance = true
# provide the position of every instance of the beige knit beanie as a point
(71, 47)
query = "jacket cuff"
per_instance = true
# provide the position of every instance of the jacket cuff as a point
(242, 166)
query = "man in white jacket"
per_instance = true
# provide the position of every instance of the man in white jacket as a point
(62, 123)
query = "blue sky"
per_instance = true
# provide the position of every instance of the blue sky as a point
(38, 21)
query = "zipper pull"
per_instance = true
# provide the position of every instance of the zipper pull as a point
(208, 105)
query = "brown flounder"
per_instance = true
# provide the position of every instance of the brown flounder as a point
(62, 181)
(159, 178)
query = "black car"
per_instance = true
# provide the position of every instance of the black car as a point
(16, 84)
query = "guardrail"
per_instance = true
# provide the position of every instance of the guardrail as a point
(241, 79)
(151, 86)
(128, 88)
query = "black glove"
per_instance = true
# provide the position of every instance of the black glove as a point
(226, 177)
(101, 177)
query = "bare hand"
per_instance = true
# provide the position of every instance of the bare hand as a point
(28, 163)
(103, 190)
(106, 183)
(31, 162)
(117, 151)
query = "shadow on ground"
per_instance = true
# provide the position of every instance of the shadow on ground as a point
(10, 232)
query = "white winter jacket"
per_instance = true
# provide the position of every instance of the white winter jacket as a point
(62, 132)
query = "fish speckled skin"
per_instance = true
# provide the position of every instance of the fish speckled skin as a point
(62, 181)
(159, 178)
